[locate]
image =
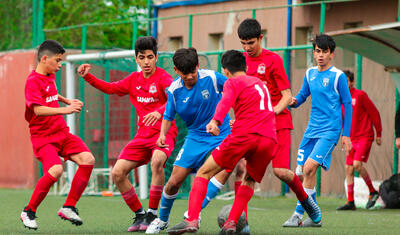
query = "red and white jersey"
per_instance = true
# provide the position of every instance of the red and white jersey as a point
(268, 67)
(365, 116)
(250, 100)
(146, 94)
(41, 90)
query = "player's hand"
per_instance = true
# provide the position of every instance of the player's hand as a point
(84, 69)
(398, 143)
(346, 144)
(379, 141)
(161, 142)
(212, 128)
(293, 102)
(74, 107)
(76, 101)
(231, 122)
(151, 118)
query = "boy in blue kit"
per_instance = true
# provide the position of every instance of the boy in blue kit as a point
(194, 96)
(329, 90)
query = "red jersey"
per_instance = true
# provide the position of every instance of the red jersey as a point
(268, 67)
(41, 90)
(250, 100)
(146, 94)
(365, 116)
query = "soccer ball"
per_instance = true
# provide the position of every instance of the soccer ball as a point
(224, 214)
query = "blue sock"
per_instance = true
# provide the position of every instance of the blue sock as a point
(299, 209)
(213, 188)
(166, 204)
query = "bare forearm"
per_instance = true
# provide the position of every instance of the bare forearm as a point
(165, 126)
(63, 99)
(48, 111)
(284, 102)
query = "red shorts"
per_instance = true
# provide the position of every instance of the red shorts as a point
(140, 149)
(282, 155)
(48, 149)
(360, 151)
(256, 149)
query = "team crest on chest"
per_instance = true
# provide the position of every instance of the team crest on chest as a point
(325, 82)
(261, 68)
(205, 94)
(153, 88)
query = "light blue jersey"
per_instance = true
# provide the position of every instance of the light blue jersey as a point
(329, 91)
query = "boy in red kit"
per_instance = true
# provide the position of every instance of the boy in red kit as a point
(254, 130)
(50, 135)
(146, 91)
(365, 117)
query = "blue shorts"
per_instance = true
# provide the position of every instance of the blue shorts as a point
(318, 149)
(195, 150)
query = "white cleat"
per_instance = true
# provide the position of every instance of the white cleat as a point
(28, 219)
(309, 223)
(156, 226)
(293, 221)
(70, 213)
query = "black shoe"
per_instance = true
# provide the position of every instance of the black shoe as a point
(139, 219)
(347, 206)
(147, 221)
(373, 197)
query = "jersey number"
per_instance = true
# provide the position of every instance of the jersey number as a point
(262, 101)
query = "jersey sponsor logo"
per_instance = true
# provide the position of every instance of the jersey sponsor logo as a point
(153, 88)
(185, 100)
(205, 94)
(146, 99)
(353, 101)
(325, 82)
(51, 98)
(261, 68)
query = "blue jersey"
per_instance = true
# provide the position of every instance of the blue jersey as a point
(329, 91)
(196, 106)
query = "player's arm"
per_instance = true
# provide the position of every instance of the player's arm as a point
(345, 98)
(301, 97)
(373, 113)
(41, 110)
(69, 101)
(284, 102)
(120, 88)
(165, 126)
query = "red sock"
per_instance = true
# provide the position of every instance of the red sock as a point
(350, 192)
(131, 199)
(78, 184)
(155, 196)
(297, 187)
(369, 183)
(196, 197)
(42, 188)
(237, 185)
(242, 198)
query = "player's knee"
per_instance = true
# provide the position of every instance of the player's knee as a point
(282, 174)
(172, 186)
(88, 159)
(56, 171)
(309, 171)
(357, 166)
(157, 166)
(117, 174)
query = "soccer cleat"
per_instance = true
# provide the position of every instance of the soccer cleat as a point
(245, 230)
(186, 216)
(312, 209)
(373, 197)
(293, 221)
(184, 227)
(28, 219)
(139, 219)
(145, 224)
(347, 206)
(229, 228)
(156, 226)
(70, 213)
(309, 223)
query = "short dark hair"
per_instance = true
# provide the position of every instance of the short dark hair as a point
(234, 61)
(145, 43)
(248, 29)
(349, 74)
(49, 48)
(186, 60)
(324, 42)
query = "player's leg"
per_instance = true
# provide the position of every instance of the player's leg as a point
(350, 181)
(52, 171)
(214, 186)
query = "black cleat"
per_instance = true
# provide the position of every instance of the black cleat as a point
(373, 197)
(347, 206)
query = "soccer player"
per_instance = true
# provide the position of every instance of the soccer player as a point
(365, 117)
(194, 96)
(50, 135)
(147, 92)
(329, 90)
